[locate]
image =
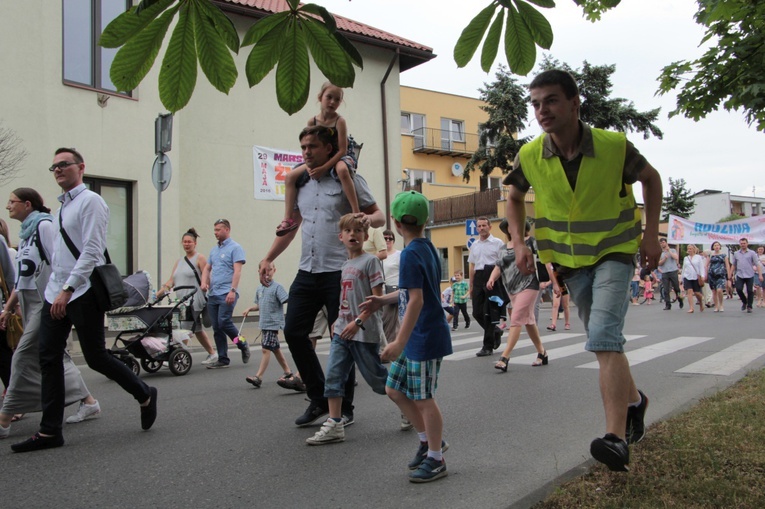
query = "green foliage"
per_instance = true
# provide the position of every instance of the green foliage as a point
(525, 29)
(601, 110)
(678, 201)
(508, 111)
(594, 9)
(203, 34)
(729, 218)
(731, 73)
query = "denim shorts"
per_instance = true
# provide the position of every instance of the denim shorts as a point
(601, 295)
(417, 379)
(342, 355)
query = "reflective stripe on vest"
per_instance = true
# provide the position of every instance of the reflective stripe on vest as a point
(577, 228)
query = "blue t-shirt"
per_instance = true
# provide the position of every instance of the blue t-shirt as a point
(420, 268)
(222, 259)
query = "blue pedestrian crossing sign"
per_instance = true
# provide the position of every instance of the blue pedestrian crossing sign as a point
(471, 228)
(470, 242)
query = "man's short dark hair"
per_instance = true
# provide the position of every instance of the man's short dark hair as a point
(77, 156)
(224, 222)
(556, 77)
(325, 135)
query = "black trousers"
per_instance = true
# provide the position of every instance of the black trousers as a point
(747, 299)
(308, 293)
(6, 356)
(84, 314)
(669, 279)
(486, 312)
(460, 307)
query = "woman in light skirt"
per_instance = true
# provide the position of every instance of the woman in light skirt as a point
(33, 268)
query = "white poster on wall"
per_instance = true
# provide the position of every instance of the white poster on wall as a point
(271, 166)
(683, 231)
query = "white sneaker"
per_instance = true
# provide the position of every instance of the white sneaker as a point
(4, 432)
(84, 412)
(330, 432)
(405, 424)
(213, 357)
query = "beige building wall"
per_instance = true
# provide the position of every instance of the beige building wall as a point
(437, 105)
(212, 140)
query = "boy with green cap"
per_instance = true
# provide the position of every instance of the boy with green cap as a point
(423, 339)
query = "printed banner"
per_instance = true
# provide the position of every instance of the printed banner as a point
(683, 231)
(271, 167)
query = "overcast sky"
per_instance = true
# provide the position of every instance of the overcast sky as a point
(639, 36)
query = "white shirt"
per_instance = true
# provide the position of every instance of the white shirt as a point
(85, 219)
(390, 268)
(693, 267)
(485, 253)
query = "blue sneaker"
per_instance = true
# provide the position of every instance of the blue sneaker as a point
(429, 470)
(422, 453)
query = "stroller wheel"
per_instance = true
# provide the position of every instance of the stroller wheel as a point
(179, 362)
(132, 364)
(150, 365)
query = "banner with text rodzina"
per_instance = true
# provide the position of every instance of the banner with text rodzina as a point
(683, 231)
(271, 166)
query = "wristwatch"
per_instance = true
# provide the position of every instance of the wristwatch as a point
(68, 288)
(359, 323)
(232, 290)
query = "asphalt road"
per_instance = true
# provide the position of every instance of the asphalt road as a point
(218, 442)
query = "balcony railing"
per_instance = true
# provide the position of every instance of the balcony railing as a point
(458, 209)
(444, 143)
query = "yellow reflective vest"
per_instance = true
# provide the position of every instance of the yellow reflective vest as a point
(576, 228)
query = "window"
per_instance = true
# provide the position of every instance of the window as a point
(494, 182)
(118, 196)
(452, 131)
(414, 124)
(420, 176)
(491, 142)
(443, 258)
(85, 62)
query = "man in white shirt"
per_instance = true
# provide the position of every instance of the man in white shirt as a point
(484, 254)
(69, 300)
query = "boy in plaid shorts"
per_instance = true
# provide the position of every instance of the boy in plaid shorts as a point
(423, 338)
(270, 300)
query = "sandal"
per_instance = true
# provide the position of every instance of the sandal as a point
(286, 226)
(502, 364)
(551, 327)
(568, 326)
(291, 382)
(542, 359)
(254, 380)
(17, 417)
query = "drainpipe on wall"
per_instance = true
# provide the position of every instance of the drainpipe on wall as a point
(386, 163)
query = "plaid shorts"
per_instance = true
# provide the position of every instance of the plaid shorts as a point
(417, 379)
(270, 340)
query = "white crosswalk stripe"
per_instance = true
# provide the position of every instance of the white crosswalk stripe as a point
(560, 353)
(651, 352)
(466, 354)
(728, 361)
(723, 363)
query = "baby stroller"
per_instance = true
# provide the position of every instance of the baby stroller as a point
(149, 332)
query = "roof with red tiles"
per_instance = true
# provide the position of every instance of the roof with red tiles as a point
(411, 53)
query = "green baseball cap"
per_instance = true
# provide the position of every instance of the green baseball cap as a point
(411, 204)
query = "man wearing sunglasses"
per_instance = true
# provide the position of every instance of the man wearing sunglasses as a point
(69, 300)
